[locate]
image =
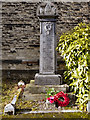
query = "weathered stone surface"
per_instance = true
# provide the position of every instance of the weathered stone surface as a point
(39, 92)
(37, 89)
(47, 49)
(17, 75)
(29, 96)
(20, 28)
(47, 15)
(48, 79)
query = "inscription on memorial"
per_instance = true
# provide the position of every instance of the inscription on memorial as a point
(48, 59)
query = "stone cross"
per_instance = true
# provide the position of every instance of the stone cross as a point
(47, 15)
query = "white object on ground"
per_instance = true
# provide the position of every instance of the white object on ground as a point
(9, 109)
(14, 100)
(21, 83)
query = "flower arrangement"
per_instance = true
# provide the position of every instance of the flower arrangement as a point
(55, 99)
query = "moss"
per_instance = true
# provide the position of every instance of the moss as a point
(10, 89)
(49, 115)
(25, 104)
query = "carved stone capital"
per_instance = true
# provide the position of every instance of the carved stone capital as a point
(47, 9)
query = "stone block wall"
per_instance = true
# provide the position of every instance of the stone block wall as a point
(21, 36)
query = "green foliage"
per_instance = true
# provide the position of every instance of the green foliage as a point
(74, 47)
(51, 92)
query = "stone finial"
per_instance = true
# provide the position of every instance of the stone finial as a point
(47, 9)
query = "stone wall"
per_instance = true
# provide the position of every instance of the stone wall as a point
(20, 35)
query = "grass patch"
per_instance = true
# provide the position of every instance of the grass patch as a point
(50, 115)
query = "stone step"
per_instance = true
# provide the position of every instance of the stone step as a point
(37, 89)
(30, 97)
(27, 96)
(39, 92)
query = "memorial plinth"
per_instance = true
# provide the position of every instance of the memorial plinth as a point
(47, 15)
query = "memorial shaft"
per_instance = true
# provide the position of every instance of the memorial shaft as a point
(47, 47)
(47, 70)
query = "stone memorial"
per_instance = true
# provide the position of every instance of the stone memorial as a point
(47, 14)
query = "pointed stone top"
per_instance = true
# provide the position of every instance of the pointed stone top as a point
(46, 8)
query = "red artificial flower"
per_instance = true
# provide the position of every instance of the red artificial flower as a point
(51, 99)
(56, 97)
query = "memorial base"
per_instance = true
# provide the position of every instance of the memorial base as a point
(48, 79)
(39, 92)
